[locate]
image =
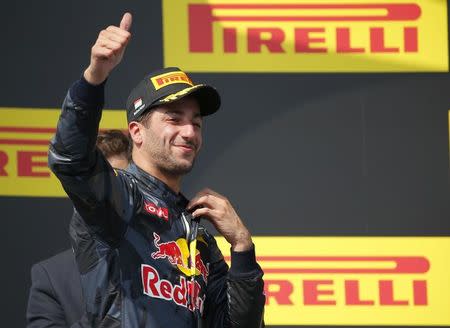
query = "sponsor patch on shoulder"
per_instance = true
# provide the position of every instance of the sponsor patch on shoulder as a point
(161, 212)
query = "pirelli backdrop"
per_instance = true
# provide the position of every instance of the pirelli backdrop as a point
(332, 142)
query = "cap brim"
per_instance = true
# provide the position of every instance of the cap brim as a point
(207, 96)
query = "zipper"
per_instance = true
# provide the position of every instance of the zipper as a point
(191, 239)
(187, 227)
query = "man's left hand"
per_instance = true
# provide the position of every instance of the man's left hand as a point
(219, 211)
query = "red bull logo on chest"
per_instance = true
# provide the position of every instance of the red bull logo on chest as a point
(187, 292)
(177, 253)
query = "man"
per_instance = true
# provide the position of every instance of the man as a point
(55, 298)
(143, 259)
(115, 146)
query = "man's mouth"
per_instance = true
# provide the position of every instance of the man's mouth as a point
(186, 147)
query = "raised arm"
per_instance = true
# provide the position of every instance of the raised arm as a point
(98, 192)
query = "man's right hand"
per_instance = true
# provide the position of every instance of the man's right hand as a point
(108, 50)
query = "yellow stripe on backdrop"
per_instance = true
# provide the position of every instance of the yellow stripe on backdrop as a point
(306, 35)
(354, 280)
(25, 134)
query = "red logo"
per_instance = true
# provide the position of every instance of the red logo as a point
(281, 290)
(203, 16)
(169, 250)
(161, 212)
(180, 293)
(177, 253)
(201, 267)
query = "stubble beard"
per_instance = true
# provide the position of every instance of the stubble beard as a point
(171, 166)
(166, 162)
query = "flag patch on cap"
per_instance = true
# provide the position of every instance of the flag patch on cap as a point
(138, 105)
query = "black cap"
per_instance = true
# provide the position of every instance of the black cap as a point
(168, 85)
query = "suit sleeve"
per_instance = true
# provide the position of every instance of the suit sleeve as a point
(44, 308)
(100, 195)
(234, 296)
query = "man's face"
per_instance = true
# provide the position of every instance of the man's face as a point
(172, 136)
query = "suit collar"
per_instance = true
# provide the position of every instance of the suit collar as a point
(157, 186)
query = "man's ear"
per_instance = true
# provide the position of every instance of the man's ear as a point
(135, 130)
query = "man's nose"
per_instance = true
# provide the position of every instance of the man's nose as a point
(188, 131)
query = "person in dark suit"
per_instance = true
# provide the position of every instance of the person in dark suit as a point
(56, 298)
(55, 294)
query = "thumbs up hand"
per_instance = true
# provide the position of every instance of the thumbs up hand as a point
(108, 50)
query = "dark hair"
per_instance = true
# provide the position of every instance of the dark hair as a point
(113, 143)
(143, 119)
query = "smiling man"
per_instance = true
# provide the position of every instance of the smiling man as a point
(143, 258)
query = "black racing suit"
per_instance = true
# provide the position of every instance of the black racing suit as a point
(131, 240)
